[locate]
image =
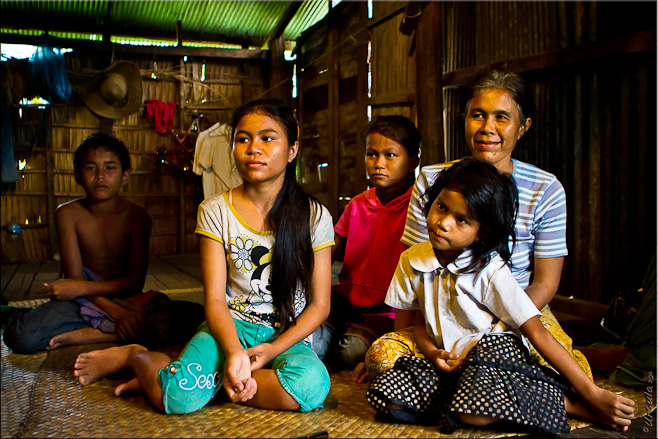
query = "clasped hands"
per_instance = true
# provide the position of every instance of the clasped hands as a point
(240, 386)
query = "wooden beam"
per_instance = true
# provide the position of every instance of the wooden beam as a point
(279, 75)
(361, 180)
(93, 27)
(387, 17)
(77, 44)
(393, 100)
(181, 188)
(584, 53)
(50, 178)
(429, 94)
(334, 120)
(179, 33)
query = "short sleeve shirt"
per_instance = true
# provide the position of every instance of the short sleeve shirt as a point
(372, 231)
(248, 256)
(541, 224)
(459, 308)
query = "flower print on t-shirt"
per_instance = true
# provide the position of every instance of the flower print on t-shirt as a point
(241, 253)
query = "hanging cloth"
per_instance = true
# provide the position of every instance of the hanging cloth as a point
(47, 73)
(161, 114)
(213, 160)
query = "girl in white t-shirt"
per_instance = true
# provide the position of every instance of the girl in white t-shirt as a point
(476, 369)
(266, 262)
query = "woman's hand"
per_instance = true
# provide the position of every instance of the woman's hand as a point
(441, 359)
(260, 355)
(238, 383)
(63, 289)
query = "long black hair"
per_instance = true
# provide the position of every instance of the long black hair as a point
(492, 200)
(290, 219)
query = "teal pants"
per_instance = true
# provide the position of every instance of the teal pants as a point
(193, 379)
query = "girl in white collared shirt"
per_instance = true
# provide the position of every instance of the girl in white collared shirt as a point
(476, 369)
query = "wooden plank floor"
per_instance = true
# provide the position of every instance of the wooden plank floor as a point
(20, 281)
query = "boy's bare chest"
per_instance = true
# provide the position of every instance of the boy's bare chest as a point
(106, 239)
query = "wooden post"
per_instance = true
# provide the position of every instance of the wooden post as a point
(181, 187)
(179, 33)
(360, 180)
(105, 125)
(50, 166)
(334, 120)
(279, 79)
(429, 87)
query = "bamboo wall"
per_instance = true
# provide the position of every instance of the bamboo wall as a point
(169, 192)
(591, 67)
(333, 94)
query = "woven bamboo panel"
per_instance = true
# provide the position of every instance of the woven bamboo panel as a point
(70, 138)
(34, 234)
(69, 115)
(23, 207)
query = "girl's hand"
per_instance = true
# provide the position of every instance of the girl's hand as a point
(360, 374)
(238, 383)
(260, 355)
(440, 358)
(612, 410)
(62, 289)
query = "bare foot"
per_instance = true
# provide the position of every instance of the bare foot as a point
(92, 366)
(604, 408)
(80, 336)
(131, 386)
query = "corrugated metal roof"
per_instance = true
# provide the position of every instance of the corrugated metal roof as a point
(250, 21)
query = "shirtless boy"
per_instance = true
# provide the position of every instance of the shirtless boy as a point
(104, 239)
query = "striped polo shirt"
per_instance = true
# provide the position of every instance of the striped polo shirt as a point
(541, 224)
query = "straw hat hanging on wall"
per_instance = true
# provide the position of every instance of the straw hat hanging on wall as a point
(114, 92)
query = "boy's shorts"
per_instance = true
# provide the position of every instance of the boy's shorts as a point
(193, 379)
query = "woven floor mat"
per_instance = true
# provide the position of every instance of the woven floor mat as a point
(191, 294)
(19, 373)
(59, 407)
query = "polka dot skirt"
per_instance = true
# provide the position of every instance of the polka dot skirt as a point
(498, 379)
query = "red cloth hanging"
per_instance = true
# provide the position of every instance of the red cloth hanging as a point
(161, 114)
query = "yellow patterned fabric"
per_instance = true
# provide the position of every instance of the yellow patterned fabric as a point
(385, 351)
(553, 326)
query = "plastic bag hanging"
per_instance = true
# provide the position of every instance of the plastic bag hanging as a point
(46, 73)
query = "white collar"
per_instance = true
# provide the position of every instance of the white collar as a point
(422, 258)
